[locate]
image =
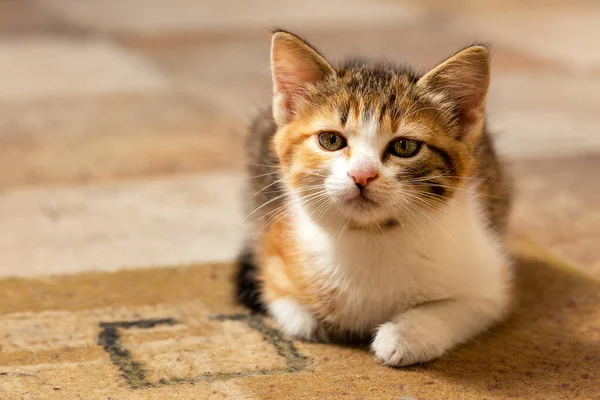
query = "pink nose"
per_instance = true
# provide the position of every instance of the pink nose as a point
(362, 177)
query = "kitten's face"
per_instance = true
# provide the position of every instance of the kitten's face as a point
(371, 148)
(373, 163)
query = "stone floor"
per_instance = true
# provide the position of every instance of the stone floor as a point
(121, 122)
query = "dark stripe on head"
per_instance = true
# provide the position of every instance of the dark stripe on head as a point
(344, 110)
(428, 173)
(417, 172)
(444, 155)
(382, 112)
(394, 112)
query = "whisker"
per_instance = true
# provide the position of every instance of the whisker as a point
(267, 203)
(459, 189)
(342, 230)
(263, 165)
(438, 201)
(261, 175)
(439, 226)
(268, 186)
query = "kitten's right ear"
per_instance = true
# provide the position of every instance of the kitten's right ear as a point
(295, 66)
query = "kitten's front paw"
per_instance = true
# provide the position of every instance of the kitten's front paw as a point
(295, 320)
(389, 346)
(397, 345)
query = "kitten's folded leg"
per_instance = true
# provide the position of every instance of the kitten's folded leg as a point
(425, 332)
(297, 321)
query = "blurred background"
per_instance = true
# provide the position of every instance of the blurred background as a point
(122, 121)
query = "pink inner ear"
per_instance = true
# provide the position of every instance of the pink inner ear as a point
(469, 104)
(464, 79)
(470, 88)
(290, 89)
(467, 90)
(288, 80)
(295, 66)
(292, 79)
(291, 83)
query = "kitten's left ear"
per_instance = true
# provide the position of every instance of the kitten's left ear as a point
(295, 65)
(463, 80)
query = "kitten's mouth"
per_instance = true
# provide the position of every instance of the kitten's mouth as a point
(362, 202)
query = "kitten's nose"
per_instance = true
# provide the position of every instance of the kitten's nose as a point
(362, 177)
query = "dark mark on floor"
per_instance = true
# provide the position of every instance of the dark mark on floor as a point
(295, 361)
(133, 372)
(110, 340)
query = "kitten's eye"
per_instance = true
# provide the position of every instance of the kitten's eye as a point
(404, 148)
(331, 141)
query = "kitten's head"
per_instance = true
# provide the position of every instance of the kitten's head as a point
(374, 145)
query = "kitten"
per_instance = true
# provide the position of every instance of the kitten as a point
(379, 202)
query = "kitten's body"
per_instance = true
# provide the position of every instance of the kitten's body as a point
(421, 279)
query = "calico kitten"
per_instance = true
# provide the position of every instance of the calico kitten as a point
(379, 204)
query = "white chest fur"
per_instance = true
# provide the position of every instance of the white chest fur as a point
(451, 253)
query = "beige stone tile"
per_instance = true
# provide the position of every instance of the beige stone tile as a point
(558, 205)
(229, 74)
(24, 17)
(172, 221)
(558, 31)
(41, 67)
(544, 115)
(473, 6)
(104, 138)
(566, 37)
(507, 59)
(157, 16)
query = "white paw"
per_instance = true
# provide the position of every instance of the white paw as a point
(295, 319)
(397, 345)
